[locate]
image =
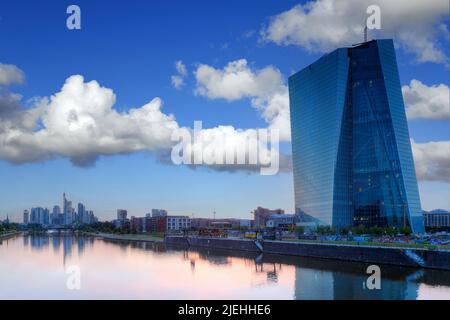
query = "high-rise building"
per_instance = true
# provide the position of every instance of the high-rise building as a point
(121, 214)
(67, 211)
(91, 217)
(82, 213)
(34, 217)
(45, 218)
(55, 216)
(39, 215)
(159, 213)
(352, 155)
(26, 216)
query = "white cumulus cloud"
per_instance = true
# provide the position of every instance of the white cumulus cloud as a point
(10, 74)
(264, 87)
(319, 26)
(178, 79)
(428, 102)
(79, 123)
(432, 160)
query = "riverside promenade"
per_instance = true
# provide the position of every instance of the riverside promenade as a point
(407, 257)
(6, 235)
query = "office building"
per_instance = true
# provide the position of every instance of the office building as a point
(67, 211)
(159, 213)
(121, 214)
(26, 216)
(175, 223)
(352, 156)
(280, 221)
(261, 215)
(55, 217)
(82, 213)
(437, 218)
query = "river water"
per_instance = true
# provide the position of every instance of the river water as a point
(68, 266)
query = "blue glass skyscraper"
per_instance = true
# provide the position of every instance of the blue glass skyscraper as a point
(352, 155)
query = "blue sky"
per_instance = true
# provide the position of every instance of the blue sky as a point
(132, 47)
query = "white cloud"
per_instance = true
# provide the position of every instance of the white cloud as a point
(432, 160)
(79, 123)
(178, 79)
(264, 87)
(10, 74)
(181, 68)
(428, 102)
(323, 25)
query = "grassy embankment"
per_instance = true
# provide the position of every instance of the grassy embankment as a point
(379, 244)
(154, 237)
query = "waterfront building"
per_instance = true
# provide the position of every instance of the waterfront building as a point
(283, 221)
(137, 224)
(201, 223)
(437, 218)
(155, 224)
(159, 213)
(163, 223)
(121, 220)
(26, 216)
(175, 223)
(352, 158)
(261, 215)
(122, 214)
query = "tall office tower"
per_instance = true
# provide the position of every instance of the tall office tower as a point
(352, 155)
(56, 212)
(34, 216)
(91, 217)
(45, 217)
(81, 212)
(26, 216)
(38, 215)
(67, 210)
(121, 214)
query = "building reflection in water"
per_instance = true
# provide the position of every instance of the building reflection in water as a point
(333, 280)
(69, 240)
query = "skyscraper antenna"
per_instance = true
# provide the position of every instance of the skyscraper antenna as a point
(365, 33)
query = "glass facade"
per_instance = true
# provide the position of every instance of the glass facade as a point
(352, 155)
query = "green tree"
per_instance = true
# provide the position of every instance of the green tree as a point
(300, 230)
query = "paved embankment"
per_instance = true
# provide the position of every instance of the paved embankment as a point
(6, 235)
(127, 237)
(421, 258)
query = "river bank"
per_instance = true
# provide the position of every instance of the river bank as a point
(416, 258)
(398, 256)
(6, 235)
(128, 237)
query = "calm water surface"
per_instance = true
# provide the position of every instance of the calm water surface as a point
(34, 267)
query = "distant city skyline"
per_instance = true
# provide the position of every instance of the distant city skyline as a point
(77, 107)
